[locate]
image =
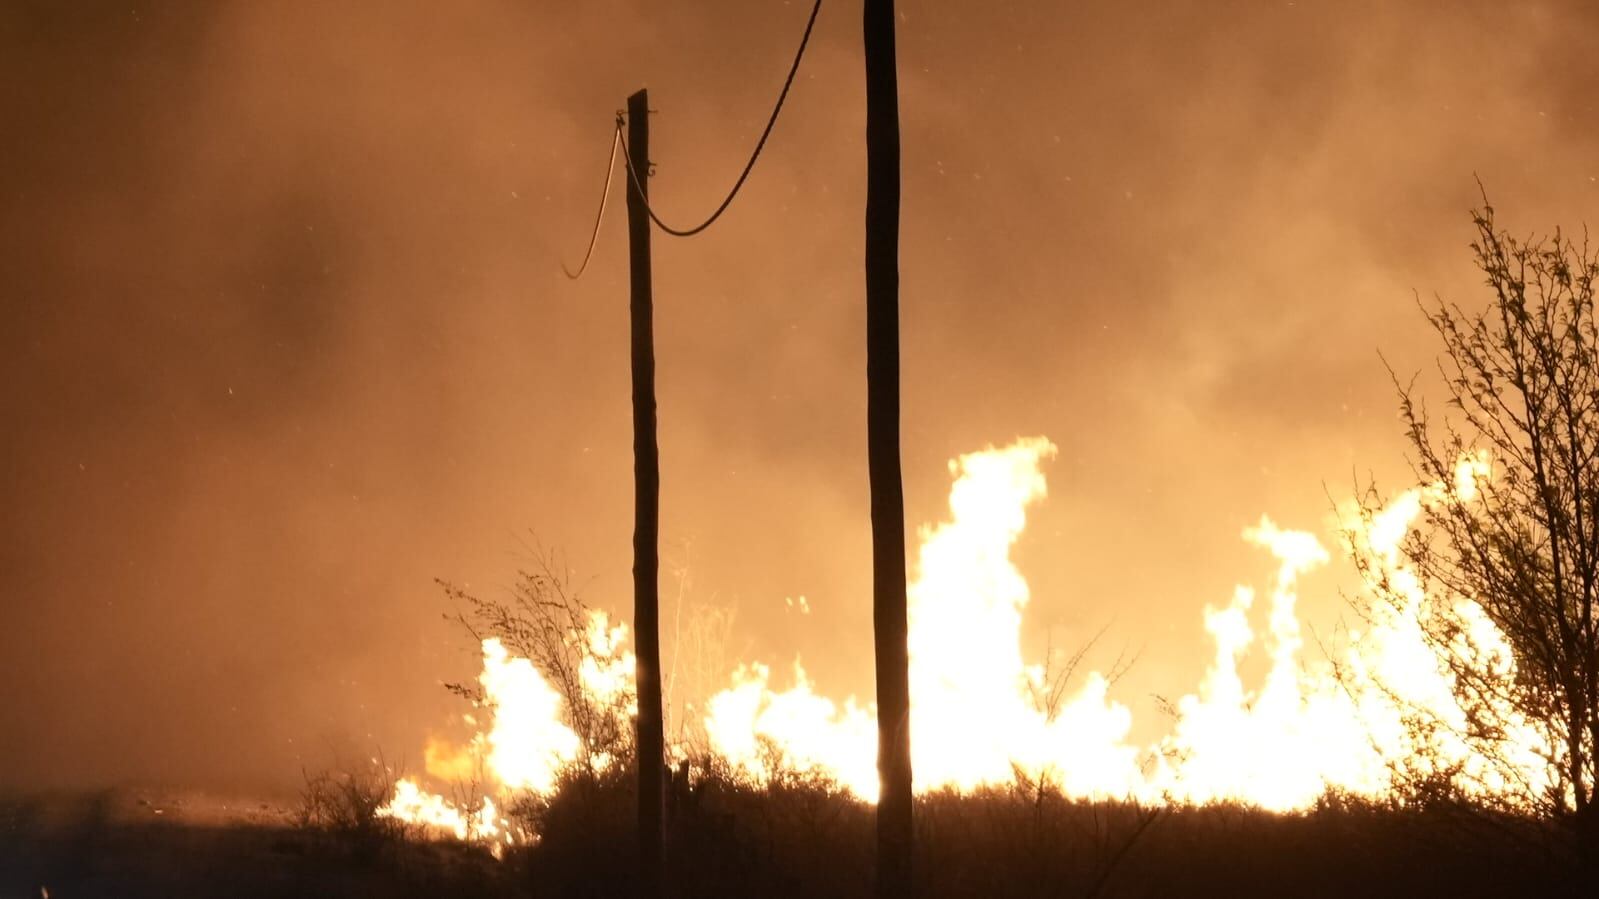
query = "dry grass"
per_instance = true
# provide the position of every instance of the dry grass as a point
(801, 836)
(793, 836)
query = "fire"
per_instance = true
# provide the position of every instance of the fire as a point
(1336, 721)
(527, 746)
(412, 803)
(754, 728)
(973, 713)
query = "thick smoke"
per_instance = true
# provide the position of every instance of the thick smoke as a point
(285, 335)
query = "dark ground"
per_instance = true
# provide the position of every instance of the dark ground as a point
(146, 843)
(786, 842)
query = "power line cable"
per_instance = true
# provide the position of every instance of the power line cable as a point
(748, 167)
(610, 168)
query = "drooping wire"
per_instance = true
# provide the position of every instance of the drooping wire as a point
(610, 168)
(788, 82)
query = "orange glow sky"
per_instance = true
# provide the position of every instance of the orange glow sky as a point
(285, 335)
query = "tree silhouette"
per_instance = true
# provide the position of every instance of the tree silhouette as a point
(1522, 383)
(894, 825)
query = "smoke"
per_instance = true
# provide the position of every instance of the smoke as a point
(285, 335)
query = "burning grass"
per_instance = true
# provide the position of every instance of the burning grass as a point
(1376, 717)
(1337, 775)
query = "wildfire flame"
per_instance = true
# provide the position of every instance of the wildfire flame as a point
(1333, 722)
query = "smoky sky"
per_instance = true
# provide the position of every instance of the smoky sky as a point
(285, 334)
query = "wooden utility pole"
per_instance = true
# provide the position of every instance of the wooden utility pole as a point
(895, 831)
(646, 505)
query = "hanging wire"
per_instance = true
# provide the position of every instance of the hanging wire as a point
(788, 82)
(610, 168)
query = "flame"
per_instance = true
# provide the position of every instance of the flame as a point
(413, 804)
(974, 720)
(973, 717)
(526, 748)
(1280, 747)
(1338, 721)
(755, 728)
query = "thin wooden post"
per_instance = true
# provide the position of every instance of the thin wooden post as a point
(895, 827)
(646, 506)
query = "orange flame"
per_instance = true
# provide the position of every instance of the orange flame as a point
(1311, 725)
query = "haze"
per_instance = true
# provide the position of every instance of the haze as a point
(285, 333)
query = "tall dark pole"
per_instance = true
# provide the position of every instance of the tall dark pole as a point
(646, 505)
(895, 832)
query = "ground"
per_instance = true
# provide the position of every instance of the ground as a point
(138, 843)
(783, 841)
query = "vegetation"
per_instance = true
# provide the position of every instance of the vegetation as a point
(341, 804)
(1522, 382)
(801, 838)
(796, 833)
(545, 620)
(1521, 379)
(808, 839)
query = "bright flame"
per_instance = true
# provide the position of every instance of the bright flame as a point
(977, 718)
(412, 803)
(974, 718)
(755, 728)
(1280, 747)
(527, 746)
